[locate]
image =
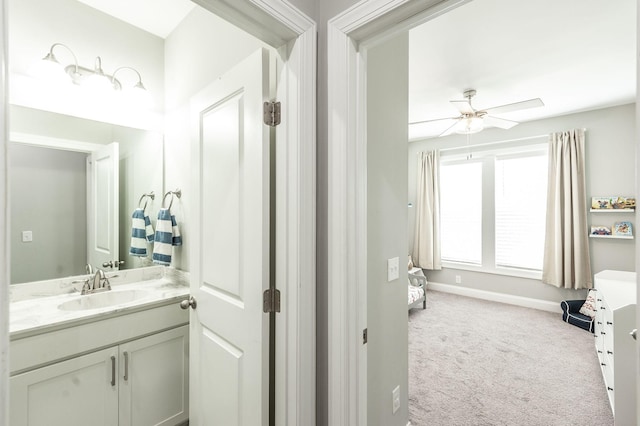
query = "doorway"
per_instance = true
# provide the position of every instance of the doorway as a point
(280, 25)
(350, 31)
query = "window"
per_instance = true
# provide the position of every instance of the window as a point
(461, 212)
(521, 201)
(493, 210)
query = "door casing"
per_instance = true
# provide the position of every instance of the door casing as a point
(349, 35)
(280, 25)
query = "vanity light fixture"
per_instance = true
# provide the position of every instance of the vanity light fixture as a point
(95, 79)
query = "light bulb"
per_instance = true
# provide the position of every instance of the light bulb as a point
(469, 125)
(50, 70)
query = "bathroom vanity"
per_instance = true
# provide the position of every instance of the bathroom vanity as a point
(113, 358)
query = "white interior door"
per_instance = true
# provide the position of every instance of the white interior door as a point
(229, 332)
(102, 205)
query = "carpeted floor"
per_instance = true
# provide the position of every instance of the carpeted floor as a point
(475, 362)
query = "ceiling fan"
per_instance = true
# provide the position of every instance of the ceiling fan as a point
(473, 120)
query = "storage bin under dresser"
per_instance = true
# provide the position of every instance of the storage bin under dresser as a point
(615, 318)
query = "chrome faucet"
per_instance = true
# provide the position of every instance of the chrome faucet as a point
(100, 281)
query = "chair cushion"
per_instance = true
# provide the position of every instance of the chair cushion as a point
(589, 306)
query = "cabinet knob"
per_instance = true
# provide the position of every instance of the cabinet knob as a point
(633, 333)
(609, 323)
(189, 302)
(603, 364)
(609, 388)
(610, 353)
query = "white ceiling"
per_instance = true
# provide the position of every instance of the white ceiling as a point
(575, 55)
(158, 17)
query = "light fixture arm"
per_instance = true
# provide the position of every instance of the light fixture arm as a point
(116, 83)
(51, 57)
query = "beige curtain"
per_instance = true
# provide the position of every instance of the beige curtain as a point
(566, 248)
(426, 240)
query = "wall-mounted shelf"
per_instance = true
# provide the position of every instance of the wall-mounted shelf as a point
(619, 237)
(612, 210)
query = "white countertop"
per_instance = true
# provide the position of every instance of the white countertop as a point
(34, 315)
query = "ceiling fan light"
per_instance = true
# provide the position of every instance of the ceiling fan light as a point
(469, 125)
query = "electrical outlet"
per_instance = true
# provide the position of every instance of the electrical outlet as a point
(395, 397)
(393, 269)
(458, 279)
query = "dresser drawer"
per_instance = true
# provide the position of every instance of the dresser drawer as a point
(615, 316)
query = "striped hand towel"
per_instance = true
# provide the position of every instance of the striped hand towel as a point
(141, 232)
(167, 235)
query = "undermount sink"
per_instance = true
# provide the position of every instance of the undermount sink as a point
(103, 300)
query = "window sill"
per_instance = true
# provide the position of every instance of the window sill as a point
(534, 275)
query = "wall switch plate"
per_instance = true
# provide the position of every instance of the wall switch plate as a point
(27, 236)
(395, 396)
(458, 279)
(393, 269)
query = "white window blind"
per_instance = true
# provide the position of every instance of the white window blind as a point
(520, 209)
(461, 212)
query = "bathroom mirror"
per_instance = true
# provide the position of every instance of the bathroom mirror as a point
(43, 106)
(48, 190)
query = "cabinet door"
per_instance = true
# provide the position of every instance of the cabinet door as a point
(154, 374)
(76, 392)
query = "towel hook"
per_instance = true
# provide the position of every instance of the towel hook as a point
(177, 193)
(144, 197)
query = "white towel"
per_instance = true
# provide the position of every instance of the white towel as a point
(167, 235)
(141, 232)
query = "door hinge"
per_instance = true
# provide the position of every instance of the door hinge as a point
(271, 111)
(271, 300)
(364, 336)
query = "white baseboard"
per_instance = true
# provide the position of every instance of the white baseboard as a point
(527, 302)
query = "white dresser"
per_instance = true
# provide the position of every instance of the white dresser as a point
(615, 318)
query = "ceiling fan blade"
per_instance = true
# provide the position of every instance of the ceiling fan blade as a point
(516, 106)
(464, 106)
(451, 129)
(498, 122)
(434, 120)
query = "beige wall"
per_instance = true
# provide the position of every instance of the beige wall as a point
(387, 347)
(43, 178)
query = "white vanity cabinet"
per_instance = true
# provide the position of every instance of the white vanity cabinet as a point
(72, 392)
(119, 371)
(615, 318)
(154, 379)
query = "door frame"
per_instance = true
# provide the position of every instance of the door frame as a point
(277, 23)
(350, 34)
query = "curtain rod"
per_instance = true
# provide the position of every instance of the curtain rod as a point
(497, 142)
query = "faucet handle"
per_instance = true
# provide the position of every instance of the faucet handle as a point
(112, 263)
